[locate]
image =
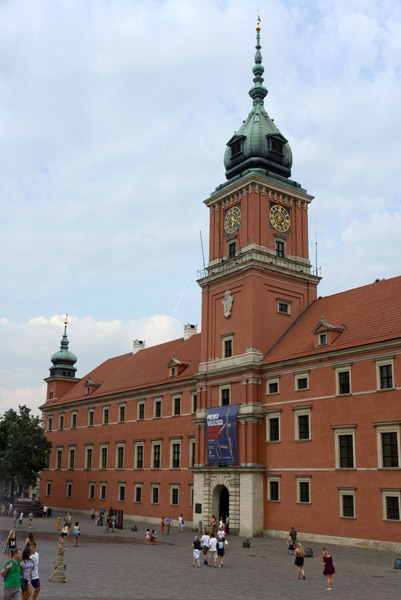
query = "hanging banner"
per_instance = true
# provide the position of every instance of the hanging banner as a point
(221, 434)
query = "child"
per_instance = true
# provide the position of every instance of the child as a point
(21, 516)
(290, 546)
(153, 537)
(58, 523)
(147, 536)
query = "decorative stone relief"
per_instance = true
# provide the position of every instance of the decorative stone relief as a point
(227, 303)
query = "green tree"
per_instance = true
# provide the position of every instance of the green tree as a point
(24, 448)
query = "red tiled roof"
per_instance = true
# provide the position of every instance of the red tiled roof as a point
(147, 367)
(370, 314)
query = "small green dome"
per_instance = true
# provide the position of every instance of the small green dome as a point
(258, 144)
(63, 360)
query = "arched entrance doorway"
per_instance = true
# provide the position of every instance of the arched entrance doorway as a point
(221, 502)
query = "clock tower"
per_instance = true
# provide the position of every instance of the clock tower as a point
(258, 281)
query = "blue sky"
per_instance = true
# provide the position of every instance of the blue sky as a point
(113, 122)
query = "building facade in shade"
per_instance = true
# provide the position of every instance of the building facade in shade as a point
(283, 411)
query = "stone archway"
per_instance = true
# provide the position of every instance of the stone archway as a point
(220, 501)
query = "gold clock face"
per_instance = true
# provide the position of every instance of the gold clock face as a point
(232, 220)
(279, 218)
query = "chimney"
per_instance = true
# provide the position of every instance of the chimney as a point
(189, 330)
(137, 346)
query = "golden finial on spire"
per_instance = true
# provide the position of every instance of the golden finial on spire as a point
(66, 319)
(258, 22)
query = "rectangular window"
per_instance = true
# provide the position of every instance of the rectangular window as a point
(88, 458)
(346, 448)
(141, 411)
(49, 423)
(302, 424)
(302, 382)
(191, 495)
(390, 449)
(225, 394)
(232, 249)
(73, 420)
(103, 457)
(280, 249)
(391, 506)
(91, 495)
(175, 496)
(120, 457)
(194, 403)
(304, 491)
(121, 492)
(386, 377)
(158, 409)
(176, 455)
(48, 488)
(91, 417)
(71, 458)
(274, 429)
(59, 458)
(347, 505)
(227, 347)
(103, 491)
(155, 494)
(61, 422)
(322, 339)
(138, 493)
(273, 489)
(69, 489)
(272, 386)
(283, 307)
(177, 405)
(139, 456)
(105, 416)
(121, 414)
(156, 456)
(192, 453)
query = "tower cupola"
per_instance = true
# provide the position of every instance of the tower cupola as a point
(63, 360)
(258, 145)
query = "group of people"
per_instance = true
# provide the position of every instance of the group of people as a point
(212, 547)
(21, 571)
(295, 547)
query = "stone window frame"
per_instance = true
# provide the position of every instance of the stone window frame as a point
(231, 247)
(119, 446)
(176, 401)
(298, 377)
(227, 339)
(122, 491)
(174, 441)
(59, 461)
(61, 421)
(273, 479)
(92, 487)
(272, 380)
(122, 407)
(194, 402)
(155, 443)
(281, 302)
(301, 411)
(222, 389)
(273, 414)
(138, 486)
(103, 486)
(72, 455)
(68, 489)
(192, 450)
(141, 410)
(106, 415)
(87, 448)
(344, 491)
(91, 417)
(393, 427)
(304, 479)
(391, 493)
(384, 362)
(340, 430)
(104, 446)
(174, 487)
(338, 371)
(50, 423)
(74, 416)
(139, 445)
(48, 491)
(322, 339)
(153, 488)
(157, 402)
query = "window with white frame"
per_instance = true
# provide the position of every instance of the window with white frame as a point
(384, 374)
(343, 381)
(71, 457)
(139, 455)
(91, 417)
(391, 504)
(388, 445)
(73, 420)
(121, 492)
(103, 491)
(272, 386)
(59, 458)
(120, 452)
(322, 339)
(273, 426)
(273, 489)
(138, 493)
(302, 381)
(347, 503)
(69, 489)
(88, 457)
(106, 411)
(121, 413)
(49, 423)
(345, 446)
(302, 423)
(104, 452)
(225, 395)
(156, 454)
(141, 410)
(174, 495)
(61, 422)
(175, 454)
(158, 408)
(303, 490)
(155, 493)
(91, 494)
(176, 405)
(227, 350)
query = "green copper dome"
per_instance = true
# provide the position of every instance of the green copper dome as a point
(63, 360)
(258, 144)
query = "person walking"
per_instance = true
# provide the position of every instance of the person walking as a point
(11, 543)
(220, 551)
(205, 543)
(180, 523)
(76, 534)
(12, 571)
(35, 581)
(329, 569)
(168, 525)
(196, 550)
(293, 535)
(58, 574)
(30, 517)
(26, 586)
(162, 525)
(299, 560)
(113, 522)
(213, 551)
(21, 516)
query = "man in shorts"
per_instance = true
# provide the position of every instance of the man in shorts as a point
(12, 572)
(35, 570)
(205, 543)
(213, 551)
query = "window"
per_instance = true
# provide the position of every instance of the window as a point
(273, 489)
(176, 405)
(121, 492)
(121, 413)
(276, 146)
(73, 420)
(236, 148)
(103, 456)
(192, 455)
(69, 489)
(91, 494)
(155, 494)
(232, 249)
(138, 492)
(71, 458)
(61, 422)
(227, 347)
(303, 491)
(120, 448)
(172, 372)
(51, 395)
(59, 458)
(302, 423)
(322, 339)
(49, 423)
(194, 403)
(156, 458)
(347, 503)
(175, 455)
(272, 386)
(139, 456)
(158, 409)
(384, 373)
(225, 394)
(141, 411)
(343, 382)
(191, 495)
(280, 248)
(88, 457)
(106, 416)
(103, 491)
(345, 447)
(273, 426)
(388, 445)
(175, 495)
(91, 417)
(283, 308)
(391, 505)
(48, 488)
(302, 381)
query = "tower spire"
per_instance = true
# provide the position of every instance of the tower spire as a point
(63, 360)
(258, 92)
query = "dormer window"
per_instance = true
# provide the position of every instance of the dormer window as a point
(276, 146)
(236, 148)
(172, 371)
(322, 339)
